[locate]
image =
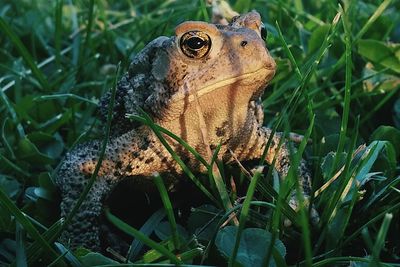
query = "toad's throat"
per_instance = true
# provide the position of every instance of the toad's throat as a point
(188, 95)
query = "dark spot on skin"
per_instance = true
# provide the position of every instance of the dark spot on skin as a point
(137, 166)
(149, 160)
(135, 154)
(145, 144)
(141, 158)
(128, 168)
(219, 131)
(118, 164)
(164, 160)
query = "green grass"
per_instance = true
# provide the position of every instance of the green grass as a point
(337, 82)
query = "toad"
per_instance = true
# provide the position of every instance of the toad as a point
(204, 84)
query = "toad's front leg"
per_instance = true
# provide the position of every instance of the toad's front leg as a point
(129, 155)
(72, 178)
(279, 151)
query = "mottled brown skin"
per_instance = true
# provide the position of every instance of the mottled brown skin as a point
(222, 87)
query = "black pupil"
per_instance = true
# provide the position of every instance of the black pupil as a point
(195, 43)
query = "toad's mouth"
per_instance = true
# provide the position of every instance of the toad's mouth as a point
(258, 78)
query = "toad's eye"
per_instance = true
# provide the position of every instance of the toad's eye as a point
(264, 32)
(195, 44)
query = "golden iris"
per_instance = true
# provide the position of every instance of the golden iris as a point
(195, 44)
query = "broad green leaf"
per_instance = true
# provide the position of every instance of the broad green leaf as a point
(252, 247)
(203, 222)
(28, 151)
(163, 231)
(95, 259)
(379, 82)
(381, 53)
(381, 192)
(388, 133)
(10, 186)
(327, 163)
(146, 229)
(317, 38)
(50, 145)
(9, 32)
(371, 153)
(34, 193)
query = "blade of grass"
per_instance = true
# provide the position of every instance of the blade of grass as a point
(379, 105)
(380, 239)
(294, 100)
(60, 96)
(214, 170)
(13, 114)
(58, 31)
(9, 164)
(225, 217)
(83, 51)
(367, 239)
(140, 236)
(156, 129)
(288, 52)
(334, 201)
(299, 75)
(352, 237)
(34, 251)
(101, 154)
(172, 135)
(267, 190)
(277, 213)
(306, 235)
(347, 94)
(94, 175)
(168, 208)
(8, 31)
(347, 260)
(378, 12)
(20, 258)
(7, 146)
(215, 184)
(56, 261)
(8, 205)
(203, 10)
(146, 229)
(216, 180)
(244, 214)
(190, 255)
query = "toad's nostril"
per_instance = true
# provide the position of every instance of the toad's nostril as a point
(243, 43)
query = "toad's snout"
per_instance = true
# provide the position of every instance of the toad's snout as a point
(252, 53)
